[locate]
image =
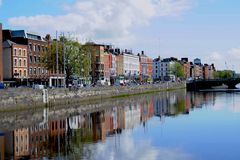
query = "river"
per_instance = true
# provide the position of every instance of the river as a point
(176, 125)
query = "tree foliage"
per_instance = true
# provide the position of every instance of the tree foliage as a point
(177, 69)
(77, 58)
(224, 74)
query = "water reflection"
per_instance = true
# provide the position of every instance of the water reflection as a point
(102, 134)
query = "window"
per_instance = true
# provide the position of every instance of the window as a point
(20, 62)
(56, 125)
(20, 52)
(15, 51)
(25, 73)
(30, 59)
(24, 63)
(42, 70)
(15, 62)
(24, 52)
(20, 73)
(39, 71)
(34, 48)
(35, 59)
(39, 48)
(30, 47)
(38, 59)
(34, 71)
(30, 71)
(43, 48)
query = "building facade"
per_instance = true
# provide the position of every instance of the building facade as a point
(107, 65)
(37, 47)
(119, 63)
(113, 68)
(165, 69)
(150, 68)
(208, 71)
(97, 56)
(131, 65)
(197, 71)
(186, 67)
(15, 62)
(145, 67)
(156, 69)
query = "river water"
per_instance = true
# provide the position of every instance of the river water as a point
(175, 125)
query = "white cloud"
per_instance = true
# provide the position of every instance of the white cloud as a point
(234, 53)
(104, 21)
(228, 59)
(130, 149)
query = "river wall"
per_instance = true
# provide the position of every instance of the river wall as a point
(24, 98)
(38, 116)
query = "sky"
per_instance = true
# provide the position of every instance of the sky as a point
(205, 29)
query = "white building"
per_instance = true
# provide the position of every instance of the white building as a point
(131, 67)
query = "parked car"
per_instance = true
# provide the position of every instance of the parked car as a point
(1, 86)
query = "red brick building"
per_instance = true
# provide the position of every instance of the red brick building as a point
(107, 65)
(146, 67)
(37, 46)
(15, 62)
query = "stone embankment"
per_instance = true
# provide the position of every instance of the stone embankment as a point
(24, 98)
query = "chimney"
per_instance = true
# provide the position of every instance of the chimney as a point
(142, 52)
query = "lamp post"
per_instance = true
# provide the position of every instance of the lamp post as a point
(57, 58)
(64, 65)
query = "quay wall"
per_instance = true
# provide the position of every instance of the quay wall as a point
(23, 98)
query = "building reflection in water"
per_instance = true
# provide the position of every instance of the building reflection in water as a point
(66, 137)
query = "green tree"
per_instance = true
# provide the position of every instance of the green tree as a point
(177, 69)
(77, 58)
(50, 57)
(224, 74)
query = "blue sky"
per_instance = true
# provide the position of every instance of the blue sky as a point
(208, 29)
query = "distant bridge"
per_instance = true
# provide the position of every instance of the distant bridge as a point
(195, 85)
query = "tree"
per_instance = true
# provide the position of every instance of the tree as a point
(50, 57)
(177, 69)
(77, 58)
(224, 74)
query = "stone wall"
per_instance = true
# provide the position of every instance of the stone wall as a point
(27, 97)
